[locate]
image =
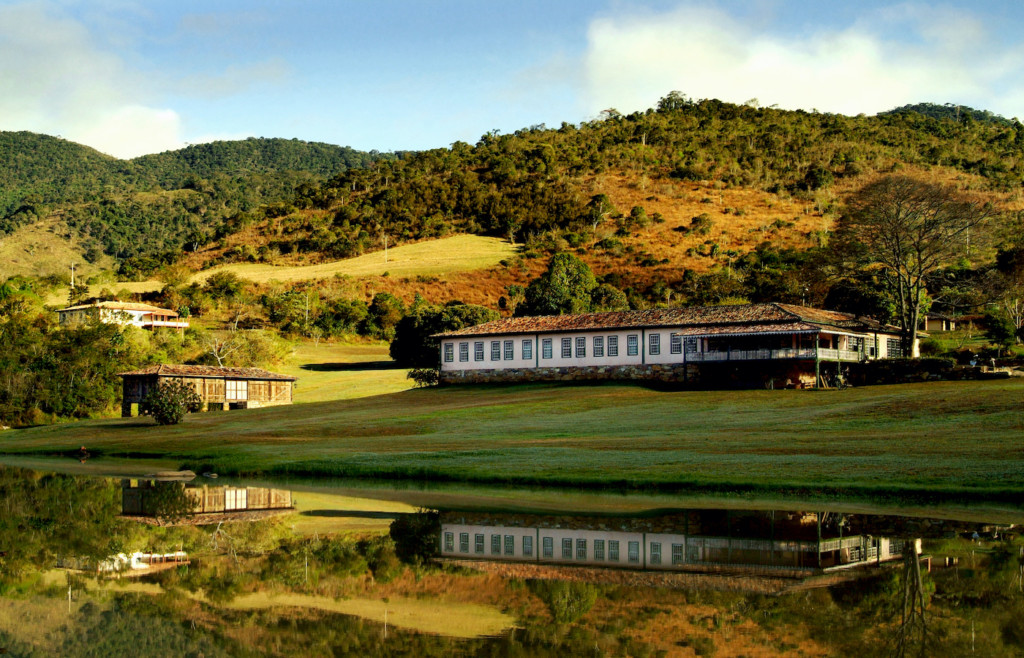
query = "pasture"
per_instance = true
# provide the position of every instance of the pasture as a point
(958, 440)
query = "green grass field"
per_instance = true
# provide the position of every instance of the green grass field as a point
(944, 439)
(342, 371)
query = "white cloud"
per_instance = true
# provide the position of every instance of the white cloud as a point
(55, 80)
(936, 55)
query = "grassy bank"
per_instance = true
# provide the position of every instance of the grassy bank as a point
(943, 439)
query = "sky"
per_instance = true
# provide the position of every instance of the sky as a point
(134, 77)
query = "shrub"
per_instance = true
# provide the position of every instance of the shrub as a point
(567, 601)
(170, 401)
(424, 376)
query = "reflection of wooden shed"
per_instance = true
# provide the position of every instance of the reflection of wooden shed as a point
(220, 388)
(137, 498)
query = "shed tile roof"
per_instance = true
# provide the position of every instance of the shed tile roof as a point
(121, 306)
(711, 319)
(215, 372)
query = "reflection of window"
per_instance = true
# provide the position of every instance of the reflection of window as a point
(567, 549)
(527, 546)
(613, 550)
(463, 542)
(634, 551)
(235, 499)
(548, 546)
(449, 542)
(510, 545)
(478, 544)
(598, 549)
(496, 544)
(677, 553)
(237, 390)
(655, 552)
(581, 549)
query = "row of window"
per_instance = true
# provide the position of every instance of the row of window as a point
(601, 345)
(505, 545)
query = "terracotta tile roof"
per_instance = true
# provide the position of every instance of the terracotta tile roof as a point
(749, 329)
(122, 306)
(167, 370)
(708, 319)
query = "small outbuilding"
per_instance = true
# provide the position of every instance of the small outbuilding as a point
(218, 388)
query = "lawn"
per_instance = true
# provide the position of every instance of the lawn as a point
(952, 439)
(341, 371)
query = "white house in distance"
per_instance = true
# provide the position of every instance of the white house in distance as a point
(752, 345)
(145, 316)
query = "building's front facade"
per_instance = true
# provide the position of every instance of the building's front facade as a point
(223, 388)
(754, 344)
(145, 316)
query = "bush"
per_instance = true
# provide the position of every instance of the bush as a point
(567, 601)
(424, 376)
(930, 347)
(170, 401)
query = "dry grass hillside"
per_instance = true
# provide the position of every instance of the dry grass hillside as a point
(46, 247)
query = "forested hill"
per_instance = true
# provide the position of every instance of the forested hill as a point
(951, 112)
(131, 208)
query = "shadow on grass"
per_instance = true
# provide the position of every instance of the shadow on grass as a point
(351, 514)
(351, 367)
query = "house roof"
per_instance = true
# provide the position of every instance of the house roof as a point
(209, 372)
(753, 318)
(121, 306)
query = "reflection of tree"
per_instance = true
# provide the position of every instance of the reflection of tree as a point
(169, 502)
(912, 633)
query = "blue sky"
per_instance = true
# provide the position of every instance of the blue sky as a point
(131, 77)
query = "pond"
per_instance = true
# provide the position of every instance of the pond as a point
(129, 561)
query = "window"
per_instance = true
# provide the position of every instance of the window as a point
(545, 348)
(654, 344)
(690, 345)
(478, 544)
(527, 349)
(581, 549)
(237, 390)
(655, 552)
(613, 345)
(235, 498)
(598, 549)
(634, 551)
(509, 351)
(581, 348)
(677, 553)
(567, 549)
(893, 348)
(567, 348)
(463, 542)
(495, 544)
(478, 350)
(613, 550)
(632, 345)
(548, 546)
(527, 546)
(449, 542)
(463, 351)
(510, 545)
(675, 344)
(449, 352)
(598, 345)
(495, 350)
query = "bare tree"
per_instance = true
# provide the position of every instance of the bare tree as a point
(907, 229)
(912, 633)
(220, 347)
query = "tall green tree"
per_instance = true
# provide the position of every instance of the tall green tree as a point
(414, 345)
(564, 288)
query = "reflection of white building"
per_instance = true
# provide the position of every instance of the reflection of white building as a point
(666, 550)
(137, 315)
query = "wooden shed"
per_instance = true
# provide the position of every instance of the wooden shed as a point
(138, 498)
(218, 388)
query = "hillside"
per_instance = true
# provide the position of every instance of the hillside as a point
(146, 207)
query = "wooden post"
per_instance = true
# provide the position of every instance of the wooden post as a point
(817, 364)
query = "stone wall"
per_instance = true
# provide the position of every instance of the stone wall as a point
(662, 373)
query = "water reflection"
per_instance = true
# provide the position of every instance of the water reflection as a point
(170, 500)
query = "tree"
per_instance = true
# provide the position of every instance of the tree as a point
(383, 314)
(170, 401)
(906, 229)
(414, 345)
(564, 288)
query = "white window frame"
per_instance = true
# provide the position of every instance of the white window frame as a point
(613, 346)
(463, 542)
(632, 345)
(581, 347)
(509, 350)
(463, 352)
(546, 348)
(566, 548)
(548, 547)
(581, 549)
(527, 546)
(495, 350)
(479, 543)
(449, 352)
(613, 550)
(510, 545)
(236, 389)
(567, 348)
(527, 349)
(478, 350)
(598, 346)
(655, 552)
(675, 344)
(598, 549)
(654, 344)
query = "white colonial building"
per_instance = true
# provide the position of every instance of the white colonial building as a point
(145, 316)
(751, 344)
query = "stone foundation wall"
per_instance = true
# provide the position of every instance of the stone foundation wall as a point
(662, 373)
